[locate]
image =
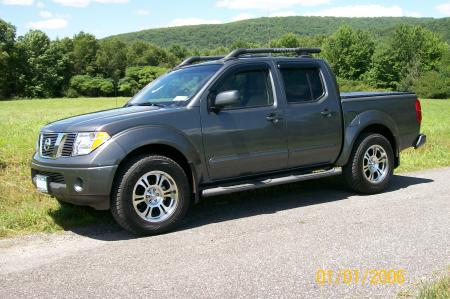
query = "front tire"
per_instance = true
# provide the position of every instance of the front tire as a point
(371, 164)
(151, 195)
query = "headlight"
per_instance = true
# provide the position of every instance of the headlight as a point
(85, 143)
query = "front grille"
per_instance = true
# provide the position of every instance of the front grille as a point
(48, 141)
(52, 176)
(68, 145)
(54, 145)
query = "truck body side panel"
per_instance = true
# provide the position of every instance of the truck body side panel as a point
(395, 111)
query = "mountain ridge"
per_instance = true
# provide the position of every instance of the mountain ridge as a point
(262, 30)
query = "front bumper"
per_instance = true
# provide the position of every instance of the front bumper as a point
(96, 183)
(420, 140)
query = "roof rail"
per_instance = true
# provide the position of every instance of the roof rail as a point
(193, 59)
(300, 51)
(238, 52)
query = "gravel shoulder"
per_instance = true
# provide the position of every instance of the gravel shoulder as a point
(266, 243)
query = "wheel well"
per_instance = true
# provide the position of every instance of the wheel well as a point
(163, 150)
(382, 130)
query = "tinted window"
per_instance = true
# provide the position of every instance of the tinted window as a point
(302, 85)
(253, 85)
(175, 87)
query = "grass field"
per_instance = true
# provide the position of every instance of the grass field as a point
(439, 289)
(23, 210)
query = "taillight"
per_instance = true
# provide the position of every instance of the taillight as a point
(418, 111)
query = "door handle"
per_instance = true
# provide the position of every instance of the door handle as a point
(326, 113)
(274, 118)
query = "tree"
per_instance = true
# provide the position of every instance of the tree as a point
(135, 53)
(112, 59)
(411, 51)
(84, 54)
(61, 50)
(179, 52)
(289, 40)
(143, 54)
(435, 84)
(349, 52)
(241, 43)
(45, 65)
(7, 59)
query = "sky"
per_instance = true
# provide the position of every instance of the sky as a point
(61, 18)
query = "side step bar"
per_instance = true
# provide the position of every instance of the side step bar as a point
(270, 182)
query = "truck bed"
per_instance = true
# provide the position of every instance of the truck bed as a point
(395, 109)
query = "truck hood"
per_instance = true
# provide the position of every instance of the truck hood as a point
(97, 120)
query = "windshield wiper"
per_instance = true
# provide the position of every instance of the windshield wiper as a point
(146, 104)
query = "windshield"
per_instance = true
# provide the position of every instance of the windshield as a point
(175, 87)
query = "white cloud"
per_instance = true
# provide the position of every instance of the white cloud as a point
(73, 3)
(413, 14)
(111, 1)
(242, 16)
(288, 13)
(268, 5)
(40, 4)
(444, 8)
(18, 2)
(45, 14)
(371, 10)
(84, 3)
(192, 21)
(142, 12)
(48, 24)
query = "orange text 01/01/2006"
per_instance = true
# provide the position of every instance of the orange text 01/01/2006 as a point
(362, 277)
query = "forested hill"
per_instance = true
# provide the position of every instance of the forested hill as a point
(262, 30)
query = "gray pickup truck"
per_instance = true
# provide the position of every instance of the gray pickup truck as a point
(217, 125)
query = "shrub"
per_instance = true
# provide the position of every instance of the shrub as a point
(137, 77)
(71, 93)
(432, 85)
(91, 86)
(355, 85)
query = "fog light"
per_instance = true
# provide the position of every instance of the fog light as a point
(78, 186)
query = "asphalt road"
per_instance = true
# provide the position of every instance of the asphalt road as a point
(266, 243)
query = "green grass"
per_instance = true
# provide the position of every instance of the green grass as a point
(439, 289)
(23, 210)
(436, 152)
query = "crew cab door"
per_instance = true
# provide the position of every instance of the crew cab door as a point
(246, 138)
(313, 114)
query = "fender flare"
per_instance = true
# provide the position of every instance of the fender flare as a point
(137, 137)
(358, 124)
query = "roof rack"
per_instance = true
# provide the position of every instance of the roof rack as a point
(191, 60)
(249, 53)
(299, 51)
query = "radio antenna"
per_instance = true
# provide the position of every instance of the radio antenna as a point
(268, 29)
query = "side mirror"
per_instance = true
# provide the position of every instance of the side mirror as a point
(226, 98)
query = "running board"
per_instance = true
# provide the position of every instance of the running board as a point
(270, 182)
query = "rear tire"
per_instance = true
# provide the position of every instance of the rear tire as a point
(371, 164)
(151, 195)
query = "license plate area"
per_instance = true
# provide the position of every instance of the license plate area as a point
(42, 183)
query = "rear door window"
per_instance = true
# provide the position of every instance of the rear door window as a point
(302, 84)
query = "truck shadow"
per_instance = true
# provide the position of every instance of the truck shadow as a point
(251, 203)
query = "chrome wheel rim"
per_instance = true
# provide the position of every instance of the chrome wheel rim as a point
(375, 164)
(155, 196)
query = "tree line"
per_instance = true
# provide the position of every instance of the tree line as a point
(412, 58)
